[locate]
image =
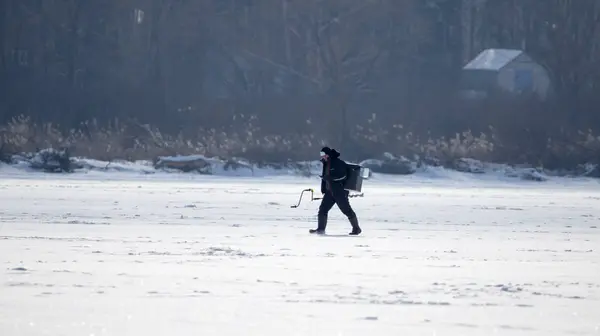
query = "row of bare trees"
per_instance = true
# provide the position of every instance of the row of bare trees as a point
(305, 66)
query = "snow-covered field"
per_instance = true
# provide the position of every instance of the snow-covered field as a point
(109, 254)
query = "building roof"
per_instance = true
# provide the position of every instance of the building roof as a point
(493, 59)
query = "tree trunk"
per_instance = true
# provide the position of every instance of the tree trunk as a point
(286, 33)
(3, 23)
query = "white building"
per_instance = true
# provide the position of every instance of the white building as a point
(506, 69)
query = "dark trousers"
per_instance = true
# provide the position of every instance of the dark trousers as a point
(337, 196)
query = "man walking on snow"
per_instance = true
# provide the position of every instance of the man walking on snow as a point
(333, 178)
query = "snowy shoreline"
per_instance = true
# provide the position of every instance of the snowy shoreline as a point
(54, 164)
(494, 176)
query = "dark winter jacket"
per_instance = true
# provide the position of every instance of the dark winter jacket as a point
(335, 172)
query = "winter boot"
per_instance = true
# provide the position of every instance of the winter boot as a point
(355, 228)
(322, 224)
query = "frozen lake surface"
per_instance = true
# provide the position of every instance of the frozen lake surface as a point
(214, 256)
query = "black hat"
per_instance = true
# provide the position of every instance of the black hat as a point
(330, 152)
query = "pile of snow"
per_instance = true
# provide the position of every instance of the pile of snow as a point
(588, 170)
(389, 164)
(120, 166)
(468, 165)
(234, 167)
(47, 160)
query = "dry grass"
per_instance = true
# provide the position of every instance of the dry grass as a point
(142, 142)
